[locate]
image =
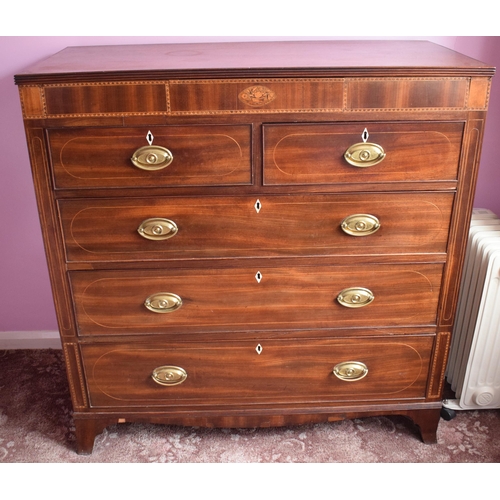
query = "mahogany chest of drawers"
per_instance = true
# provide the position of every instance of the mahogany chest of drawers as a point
(255, 234)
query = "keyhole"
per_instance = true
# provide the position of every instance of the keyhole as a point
(365, 135)
(258, 349)
(258, 206)
(258, 276)
(149, 137)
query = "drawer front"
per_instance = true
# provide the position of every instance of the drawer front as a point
(190, 228)
(284, 372)
(208, 300)
(314, 154)
(178, 156)
(255, 96)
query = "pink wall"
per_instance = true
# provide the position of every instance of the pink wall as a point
(25, 297)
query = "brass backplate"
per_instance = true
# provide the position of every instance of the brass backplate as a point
(152, 158)
(350, 371)
(163, 302)
(364, 154)
(360, 225)
(355, 297)
(157, 229)
(169, 375)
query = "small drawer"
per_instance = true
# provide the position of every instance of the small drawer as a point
(194, 228)
(230, 300)
(177, 156)
(375, 152)
(262, 371)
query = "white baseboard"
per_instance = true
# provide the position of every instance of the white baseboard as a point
(30, 340)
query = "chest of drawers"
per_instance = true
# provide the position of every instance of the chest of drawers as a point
(255, 234)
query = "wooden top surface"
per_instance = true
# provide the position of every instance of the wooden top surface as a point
(321, 58)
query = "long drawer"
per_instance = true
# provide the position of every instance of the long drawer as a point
(242, 373)
(190, 228)
(178, 155)
(217, 299)
(377, 152)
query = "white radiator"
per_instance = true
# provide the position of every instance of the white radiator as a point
(473, 369)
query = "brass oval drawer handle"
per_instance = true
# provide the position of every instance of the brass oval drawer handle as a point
(364, 154)
(355, 297)
(163, 302)
(157, 229)
(169, 375)
(152, 158)
(360, 224)
(350, 371)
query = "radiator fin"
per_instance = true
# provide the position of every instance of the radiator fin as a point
(473, 369)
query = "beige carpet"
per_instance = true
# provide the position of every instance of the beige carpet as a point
(36, 427)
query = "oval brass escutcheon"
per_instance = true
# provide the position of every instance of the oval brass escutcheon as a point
(163, 302)
(157, 229)
(360, 224)
(364, 154)
(152, 158)
(355, 297)
(350, 371)
(169, 375)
